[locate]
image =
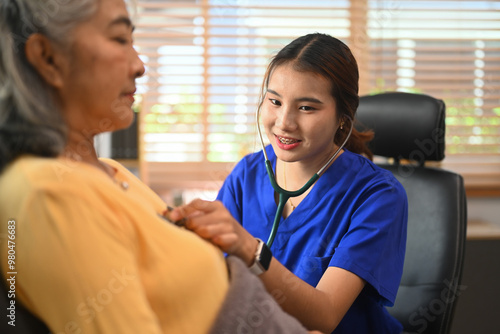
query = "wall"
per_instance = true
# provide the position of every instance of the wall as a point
(484, 209)
(478, 307)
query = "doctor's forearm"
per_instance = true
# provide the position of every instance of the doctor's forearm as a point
(312, 307)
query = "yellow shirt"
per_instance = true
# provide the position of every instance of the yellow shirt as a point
(94, 256)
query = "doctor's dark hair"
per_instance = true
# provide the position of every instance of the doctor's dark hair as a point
(332, 59)
(30, 120)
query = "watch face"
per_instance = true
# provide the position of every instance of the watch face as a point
(263, 258)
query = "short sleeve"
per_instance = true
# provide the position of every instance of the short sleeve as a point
(233, 185)
(374, 246)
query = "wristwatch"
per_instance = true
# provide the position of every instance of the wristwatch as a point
(262, 260)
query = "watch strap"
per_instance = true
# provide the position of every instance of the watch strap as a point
(262, 258)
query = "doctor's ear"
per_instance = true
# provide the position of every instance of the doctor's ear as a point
(45, 58)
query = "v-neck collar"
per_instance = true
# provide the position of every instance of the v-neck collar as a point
(301, 213)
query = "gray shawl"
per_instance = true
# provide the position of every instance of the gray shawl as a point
(249, 308)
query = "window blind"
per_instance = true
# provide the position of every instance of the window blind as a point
(449, 50)
(205, 63)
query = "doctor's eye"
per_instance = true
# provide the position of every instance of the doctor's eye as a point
(275, 102)
(307, 108)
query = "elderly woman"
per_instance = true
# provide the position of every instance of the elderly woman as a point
(85, 238)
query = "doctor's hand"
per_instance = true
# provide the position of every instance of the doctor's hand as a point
(213, 222)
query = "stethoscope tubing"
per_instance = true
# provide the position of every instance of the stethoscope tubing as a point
(283, 194)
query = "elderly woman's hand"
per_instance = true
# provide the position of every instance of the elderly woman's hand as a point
(213, 222)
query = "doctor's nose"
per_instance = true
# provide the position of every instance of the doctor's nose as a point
(286, 120)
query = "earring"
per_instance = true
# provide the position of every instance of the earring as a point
(342, 126)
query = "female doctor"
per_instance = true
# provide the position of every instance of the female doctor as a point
(337, 258)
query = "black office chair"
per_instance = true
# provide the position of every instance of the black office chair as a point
(411, 127)
(25, 322)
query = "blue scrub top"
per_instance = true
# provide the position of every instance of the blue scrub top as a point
(354, 217)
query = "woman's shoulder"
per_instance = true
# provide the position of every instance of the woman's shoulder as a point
(31, 179)
(32, 173)
(367, 172)
(253, 162)
(35, 169)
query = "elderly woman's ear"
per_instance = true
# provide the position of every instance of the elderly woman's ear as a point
(45, 58)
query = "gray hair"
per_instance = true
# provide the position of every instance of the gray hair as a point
(30, 121)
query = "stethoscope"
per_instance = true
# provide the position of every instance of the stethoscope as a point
(284, 195)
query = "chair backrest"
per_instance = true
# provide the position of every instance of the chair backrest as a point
(411, 127)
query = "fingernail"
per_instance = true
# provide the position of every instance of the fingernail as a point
(180, 222)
